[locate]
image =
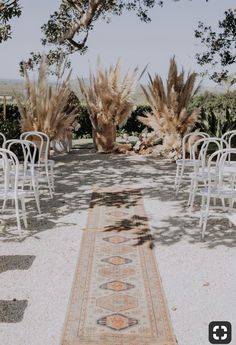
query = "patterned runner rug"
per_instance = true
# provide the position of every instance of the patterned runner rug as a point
(117, 297)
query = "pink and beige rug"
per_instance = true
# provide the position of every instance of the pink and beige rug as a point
(117, 297)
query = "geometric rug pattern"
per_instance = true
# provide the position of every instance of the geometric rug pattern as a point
(117, 297)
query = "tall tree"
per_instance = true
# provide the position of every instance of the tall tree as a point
(68, 28)
(8, 10)
(219, 48)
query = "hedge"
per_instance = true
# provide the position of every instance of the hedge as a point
(217, 115)
(132, 126)
(217, 112)
(10, 126)
(218, 103)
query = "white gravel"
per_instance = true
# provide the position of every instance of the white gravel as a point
(199, 277)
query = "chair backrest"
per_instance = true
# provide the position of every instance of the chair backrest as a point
(9, 162)
(207, 145)
(2, 139)
(29, 150)
(189, 140)
(228, 136)
(42, 142)
(217, 167)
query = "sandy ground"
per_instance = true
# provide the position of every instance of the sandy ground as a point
(199, 278)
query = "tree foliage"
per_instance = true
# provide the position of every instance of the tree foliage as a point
(8, 10)
(220, 47)
(68, 28)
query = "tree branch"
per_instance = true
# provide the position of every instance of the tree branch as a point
(86, 17)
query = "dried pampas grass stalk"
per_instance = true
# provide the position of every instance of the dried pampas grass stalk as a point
(108, 97)
(170, 118)
(43, 106)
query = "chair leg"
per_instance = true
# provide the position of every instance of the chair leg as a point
(202, 211)
(36, 193)
(50, 186)
(24, 213)
(223, 203)
(179, 179)
(205, 217)
(231, 204)
(18, 216)
(190, 192)
(52, 178)
(4, 205)
(195, 186)
(176, 176)
(49, 182)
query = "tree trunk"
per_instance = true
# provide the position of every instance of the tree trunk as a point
(104, 138)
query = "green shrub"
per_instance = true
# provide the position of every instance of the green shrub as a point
(131, 127)
(85, 130)
(217, 112)
(10, 126)
(216, 124)
(214, 102)
(217, 116)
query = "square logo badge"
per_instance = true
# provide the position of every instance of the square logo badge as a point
(220, 332)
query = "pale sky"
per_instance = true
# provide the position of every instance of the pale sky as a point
(171, 32)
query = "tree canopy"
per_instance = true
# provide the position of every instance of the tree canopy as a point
(219, 47)
(68, 28)
(8, 10)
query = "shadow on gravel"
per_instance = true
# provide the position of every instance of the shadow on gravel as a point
(78, 172)
(12, 311)
(15, 262)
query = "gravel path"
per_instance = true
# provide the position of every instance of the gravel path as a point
(36, 274)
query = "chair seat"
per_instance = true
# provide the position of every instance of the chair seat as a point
(188, 162)
(229, 170)
(42, 163)
(10, 194)
(51, 162)
(219, 192)
(27, 174)
(203, 176)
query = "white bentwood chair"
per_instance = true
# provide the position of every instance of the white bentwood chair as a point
(200, 173)
(217, 186)
(9, 187)
(229, 136)
(183, 163)
(45, 166)
(27, 175)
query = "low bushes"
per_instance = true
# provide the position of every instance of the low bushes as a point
(131, 127)
(217, 116)
(10, 126)
(85, 130)
(217, 112)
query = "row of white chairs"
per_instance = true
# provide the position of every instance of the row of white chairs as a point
(212, 174)
(22, 179)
